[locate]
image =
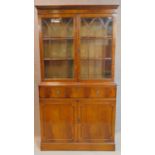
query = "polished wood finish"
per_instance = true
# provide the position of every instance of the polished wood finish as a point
(78, 146)
(77, 122)
(77, 91)
(58, 120)
(96, 121)
(73, 9)
(77, 113)
(78, 7)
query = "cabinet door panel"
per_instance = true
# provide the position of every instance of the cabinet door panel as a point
(96, 120)
(58, 47)
(96, 47)
(58, 120)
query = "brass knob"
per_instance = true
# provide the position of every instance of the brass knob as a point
(58, 92)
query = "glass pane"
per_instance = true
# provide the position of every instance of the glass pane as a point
(58, 47)
(96, 27)
(59, 69)
(57, 27)
(96, 48)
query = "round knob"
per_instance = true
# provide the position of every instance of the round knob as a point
(58, 92)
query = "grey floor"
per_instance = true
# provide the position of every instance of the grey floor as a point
(117, 152)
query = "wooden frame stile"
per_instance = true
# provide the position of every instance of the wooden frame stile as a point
(113, 45)
(78, 45)
(41, 48)
(113, 120)
(41, 106)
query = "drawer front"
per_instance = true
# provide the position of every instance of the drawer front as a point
(52, 92)
(77, 92)
(103, 92)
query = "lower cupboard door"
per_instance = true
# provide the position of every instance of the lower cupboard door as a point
(97, 121)
(57, 120)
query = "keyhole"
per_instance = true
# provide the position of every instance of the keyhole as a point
(78, 120)
(97, 92)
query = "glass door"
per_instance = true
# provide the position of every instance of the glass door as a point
(95, 48)
(58, 48)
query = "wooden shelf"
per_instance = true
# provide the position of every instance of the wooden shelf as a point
(102, 74)
(71, 38)
(57, 59)
(95, 59)
(57, 38)
(91, 37)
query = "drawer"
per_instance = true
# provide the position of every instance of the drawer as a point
(52, 92)
(57, 92)
(104, 92)
(77, 92)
